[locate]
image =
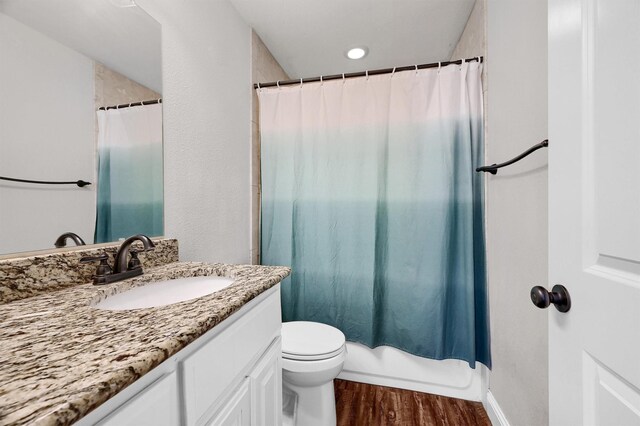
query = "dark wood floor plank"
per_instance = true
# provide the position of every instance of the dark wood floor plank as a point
(360, 404)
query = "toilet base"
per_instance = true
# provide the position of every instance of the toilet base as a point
(316, 404)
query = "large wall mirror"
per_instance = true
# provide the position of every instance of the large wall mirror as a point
(73, 76)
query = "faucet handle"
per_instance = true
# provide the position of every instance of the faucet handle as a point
(100, 257)
(103, 268)
(134, 262)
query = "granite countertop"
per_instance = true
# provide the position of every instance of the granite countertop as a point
(61, 358)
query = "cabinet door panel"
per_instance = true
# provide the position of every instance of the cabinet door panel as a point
(211, 371)
(266, 388)
(156, 405)
(237, 411)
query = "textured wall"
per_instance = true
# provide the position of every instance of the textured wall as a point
(206, 115)
(264, 69)
(517, 207)
(46, 133)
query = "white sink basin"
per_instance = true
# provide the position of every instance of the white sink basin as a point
(163, 293)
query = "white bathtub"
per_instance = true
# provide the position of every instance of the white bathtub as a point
(387, 366)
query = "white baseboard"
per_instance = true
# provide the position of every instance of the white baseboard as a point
(496, 415)
(386, 366)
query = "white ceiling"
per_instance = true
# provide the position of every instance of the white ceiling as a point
(309, 37)
(126, 39)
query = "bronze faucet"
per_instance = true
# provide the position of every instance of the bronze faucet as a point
(61, 241)
(121, 268)
(121, 256)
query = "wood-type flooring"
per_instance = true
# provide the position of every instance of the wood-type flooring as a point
(360, 404)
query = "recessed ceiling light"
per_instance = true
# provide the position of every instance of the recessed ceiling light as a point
(123, 3)
(357, 52)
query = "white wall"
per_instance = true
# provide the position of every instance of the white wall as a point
(517, 206)
(46, 133)
(206, 101)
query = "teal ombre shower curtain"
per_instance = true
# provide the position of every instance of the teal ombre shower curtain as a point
(130, 180)
(369, 193)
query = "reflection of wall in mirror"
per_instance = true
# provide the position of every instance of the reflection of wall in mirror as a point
(49, 94)
(113, 88)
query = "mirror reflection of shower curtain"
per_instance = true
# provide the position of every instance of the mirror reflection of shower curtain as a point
(369, 193)
(130, 180)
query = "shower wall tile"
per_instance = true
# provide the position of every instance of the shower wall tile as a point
(255, 230)
(264, 69)
(473, 39)
(255, 148)
(255, 113)
(113, 88)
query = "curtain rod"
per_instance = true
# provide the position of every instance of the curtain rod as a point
(365, 73)
(132, 104)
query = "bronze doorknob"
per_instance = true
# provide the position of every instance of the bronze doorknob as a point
(558, 296)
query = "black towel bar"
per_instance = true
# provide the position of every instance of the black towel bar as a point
(493, 169)
(80, 183)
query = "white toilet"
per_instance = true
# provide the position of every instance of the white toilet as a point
(312, 356)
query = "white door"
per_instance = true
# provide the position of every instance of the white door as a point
(594, 210)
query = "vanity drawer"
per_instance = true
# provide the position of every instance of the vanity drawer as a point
(211, 372)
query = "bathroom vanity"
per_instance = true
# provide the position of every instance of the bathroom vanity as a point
(210, 360)
(229, 376)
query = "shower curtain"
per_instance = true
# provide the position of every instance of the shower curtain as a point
(130, 180)
(369, 193)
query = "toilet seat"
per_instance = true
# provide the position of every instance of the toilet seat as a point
(320, 366)
(311, 341)
(316, 357)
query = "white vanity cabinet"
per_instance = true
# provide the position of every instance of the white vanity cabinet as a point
(157, 404)
(237, 410)
(266, 388)
(229, 376)
(258, 398)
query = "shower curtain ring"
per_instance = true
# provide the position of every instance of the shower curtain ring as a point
(278, 83)
(366, 73)
(321, 81)
(300, 82)
(393, 72)
(461, 63)
(439, 66)
(258, 84)
(416, 69)
(342, 78)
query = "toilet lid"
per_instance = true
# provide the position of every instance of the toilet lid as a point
(304, 340)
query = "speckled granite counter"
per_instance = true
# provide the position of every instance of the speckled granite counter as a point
(61, 358)
(23, 276)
